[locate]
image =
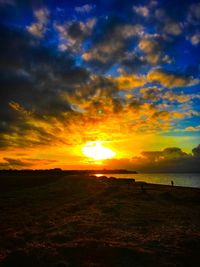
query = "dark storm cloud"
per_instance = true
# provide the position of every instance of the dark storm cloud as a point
(13, 163)
(72, 34)
(33, 80)
(171, 159)
(112, 42)
(13, 48)
(34, 77)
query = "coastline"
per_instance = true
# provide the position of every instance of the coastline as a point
(180, 179)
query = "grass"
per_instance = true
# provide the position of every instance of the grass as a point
(56, 220)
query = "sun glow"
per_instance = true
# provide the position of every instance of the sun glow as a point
(97, 151)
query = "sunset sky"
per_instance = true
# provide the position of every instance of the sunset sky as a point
(99, 84)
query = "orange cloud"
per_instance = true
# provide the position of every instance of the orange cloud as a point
(128, 81)
(192, 128)
(170, 80)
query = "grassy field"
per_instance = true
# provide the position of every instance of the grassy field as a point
(56, 220)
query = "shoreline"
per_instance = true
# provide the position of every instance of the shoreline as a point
(185, 180)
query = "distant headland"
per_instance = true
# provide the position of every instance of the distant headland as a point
(70, 172)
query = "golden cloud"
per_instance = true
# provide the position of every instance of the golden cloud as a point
(192, 128)
(128, 81)
(170, 80)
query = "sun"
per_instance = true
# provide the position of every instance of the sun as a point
(97, 151)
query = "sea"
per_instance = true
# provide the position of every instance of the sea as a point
(179, 179)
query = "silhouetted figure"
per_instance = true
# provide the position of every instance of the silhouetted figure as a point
(172, 183)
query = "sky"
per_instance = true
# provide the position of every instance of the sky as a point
(100, 84)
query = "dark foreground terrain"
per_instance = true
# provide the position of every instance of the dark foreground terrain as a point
(56, 220)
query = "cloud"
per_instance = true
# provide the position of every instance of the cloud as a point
(84, 9)
(39, 28)
(13, 163)
(151, 93)
(152, 47)
(47, 76)
(141, 10)
(111, 46)
(7, 2)
(170, 79)
(148, 45)
(77, 105)
(152, 155)
(128, 81)
(155, 93)
(194, 14)
(85, 79)
(171, 159)
(192, 128)
(173, 153)
(181, 97)
(26, 163)
(169, 26)
(173, 28)
(195, 38)
(73, 33)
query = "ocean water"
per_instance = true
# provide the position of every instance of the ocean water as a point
(179, 179)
